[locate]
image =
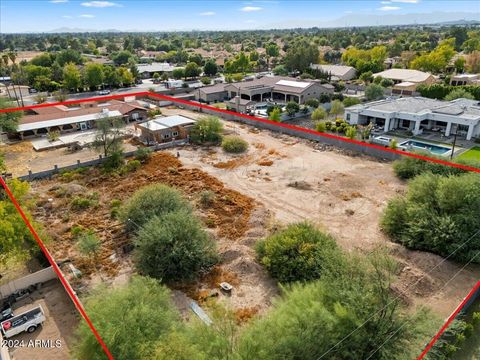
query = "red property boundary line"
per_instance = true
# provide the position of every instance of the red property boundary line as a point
(64, 282)
(249, 117)
(449, 320)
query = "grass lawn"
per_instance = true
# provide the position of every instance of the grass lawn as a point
(472, 154)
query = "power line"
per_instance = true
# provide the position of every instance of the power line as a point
(444, 285)
(397, 297)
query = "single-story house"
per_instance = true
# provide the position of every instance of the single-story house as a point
(279, 88)
(212, 93)
(407, 77)
(465, 79)
(337, 72)
(147, 71)
(165, 129)
(419, 114)
(41, 121)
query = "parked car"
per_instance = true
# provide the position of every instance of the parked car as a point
(103, 92)
(32, 91)
(27, 321)
(6, 314)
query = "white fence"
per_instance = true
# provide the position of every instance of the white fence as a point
(38, 277)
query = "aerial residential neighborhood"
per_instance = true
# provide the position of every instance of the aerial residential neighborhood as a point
(271, 180)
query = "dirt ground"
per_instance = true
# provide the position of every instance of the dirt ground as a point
(21, 157)
(279, 180)
(61, 321)
(345, 195)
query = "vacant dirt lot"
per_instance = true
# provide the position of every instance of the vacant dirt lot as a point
(61, 322)
(345, 195)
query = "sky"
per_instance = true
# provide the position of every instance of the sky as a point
(174, 15)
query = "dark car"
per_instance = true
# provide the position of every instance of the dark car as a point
(6, 314)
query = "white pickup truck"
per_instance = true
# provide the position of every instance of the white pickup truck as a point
(27, 321)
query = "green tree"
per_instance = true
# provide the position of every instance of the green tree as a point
(93, 75)
(319, 114)
(71, 77)
(374, 92)
(174, 247)
(9, 120)
(68, 56)
(210, 68)
(271, 50)
(192, 70)
(178, 73)
(292, 108)
(311, 318)
(457, 94)
(299, 253)
(208, 129)
(122, 57)
(438, 214)
(150, 201)
(300, 55)
(125, 76)
(131, 319)
(234, 144)
(108, 140)
(314, 103)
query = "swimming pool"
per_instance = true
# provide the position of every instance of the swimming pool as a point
(434, 149)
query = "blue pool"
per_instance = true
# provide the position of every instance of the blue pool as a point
(419, 145)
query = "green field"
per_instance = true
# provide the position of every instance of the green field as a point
(472, 154)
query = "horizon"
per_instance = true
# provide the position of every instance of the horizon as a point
(191, 16)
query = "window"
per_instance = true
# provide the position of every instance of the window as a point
(348, 117)
(175, 133)
(166, 135)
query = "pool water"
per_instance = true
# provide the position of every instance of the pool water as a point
(434, 149)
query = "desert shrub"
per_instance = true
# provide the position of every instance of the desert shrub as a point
(207, 197)
(174, 247)
(115, 206)
(207, 130)
(314, 103)
(149, 201)
(82, 203)
(350, 101)
(234, 144)
(130, 166)
(374, 92)
(114, 161)
(351, 132)
(438, 214)
(321, 126)
(299, 253)
(409, 167)
(143, 154)
(88, 243)
(131, 318)
(319, 114)
(310, 317)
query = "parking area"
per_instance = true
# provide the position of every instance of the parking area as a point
(53, 340)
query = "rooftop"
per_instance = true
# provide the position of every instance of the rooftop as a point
(335, 70)
(161, 123)
(404, 75)
(155, 67)
(465, 108)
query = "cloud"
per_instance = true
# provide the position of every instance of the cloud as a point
(385, 2)
(251, 8)
(58, 1)
(67, 16)
(100, 4)
(250, 21)
(207, 13)
(389, 8)
(87, 16)
(405, 1)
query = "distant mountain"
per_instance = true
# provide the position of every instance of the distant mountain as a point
(459, 22)
(79, 30)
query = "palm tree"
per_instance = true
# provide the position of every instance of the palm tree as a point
(13, 56)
